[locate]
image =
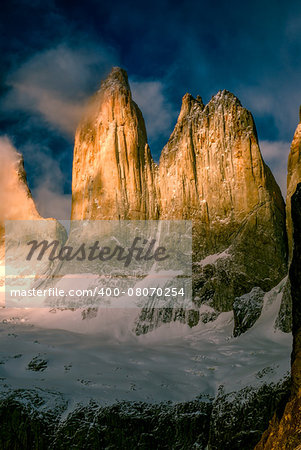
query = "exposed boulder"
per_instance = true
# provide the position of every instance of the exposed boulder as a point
(247, 310)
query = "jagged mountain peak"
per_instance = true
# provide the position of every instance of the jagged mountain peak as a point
(190, 106)
(224, 100)
(116, 81)
(211, 171)
(194, 108)
(112, 166)
(188, 99)
(224, 97)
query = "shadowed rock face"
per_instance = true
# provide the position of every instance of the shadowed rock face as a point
(211, 171)
(284, 429)
(247, 310)
(293, 178)
(230, 421)
(295, 278)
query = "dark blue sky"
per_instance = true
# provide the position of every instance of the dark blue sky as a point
(54, 54)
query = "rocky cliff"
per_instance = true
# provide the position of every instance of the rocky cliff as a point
(211, 171)
(293, 178)
(284, 429)
(16, 204)
(113, 172)
(295, 277)
(230, 421)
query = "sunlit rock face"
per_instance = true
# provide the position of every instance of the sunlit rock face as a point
(15, 198)
(113, 172)
(211, 171)
(16, 204)
(293, 178)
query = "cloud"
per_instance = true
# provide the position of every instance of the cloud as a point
(49, 181)
(15, 202)
(275, 151)
(279, 102)
(48, 194)
(52, 203)
(9, 154)
(55, 83)
(49, 92)
(157, 110)
(261, 67)
(275, 154)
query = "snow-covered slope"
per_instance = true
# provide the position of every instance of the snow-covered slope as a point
(92, 353)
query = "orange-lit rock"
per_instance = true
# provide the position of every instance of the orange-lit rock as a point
(211, 168)
(211, 171)
(16, 203)
(293, 178)
(112, 168)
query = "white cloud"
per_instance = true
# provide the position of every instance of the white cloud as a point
(15, 203)
(156, 110)
(51, 203)
(275, 154)
(56, 83)
(49, 193)
(280, 102)
(275, 150)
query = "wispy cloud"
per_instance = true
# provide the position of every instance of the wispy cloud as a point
(52, 202)
(49, 180)
(14, 200)
(53, 86)
(48, 195)
(157, 111)
(275, 155)
(56, 83)
(253, 54)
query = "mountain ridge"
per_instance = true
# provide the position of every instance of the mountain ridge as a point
(211, 171)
